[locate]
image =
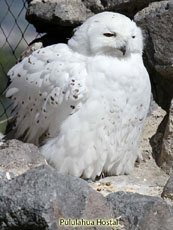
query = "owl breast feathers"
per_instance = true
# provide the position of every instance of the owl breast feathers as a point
(85, 103)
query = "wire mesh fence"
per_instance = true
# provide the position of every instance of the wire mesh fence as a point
(15, 35)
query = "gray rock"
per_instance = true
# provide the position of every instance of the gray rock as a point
(63, 15)
(168, 189)
(165, 158)
(127, 7)
(156, 21)
(17, 157)
(140, 212)
(162, 143)
(40, 197)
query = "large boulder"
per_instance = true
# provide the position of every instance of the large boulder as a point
(17, 157)
(40, 198)
(140, 212)
(63, 15)
(162, 143)
(156, 22)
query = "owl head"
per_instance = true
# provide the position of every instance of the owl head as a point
(107, 33)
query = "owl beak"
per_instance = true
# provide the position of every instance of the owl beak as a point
(123, 50)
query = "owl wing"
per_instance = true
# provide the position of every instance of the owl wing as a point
(46, 88)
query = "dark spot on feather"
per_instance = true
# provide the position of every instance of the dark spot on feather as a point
(44, 110)
(76, 90)
(48, 61)
(27, 78)
(63, 92)
(73, 80)
(56, 102)
(45, 117)
(22, 102)
(52, 98)
(38, 121)
(75, 96)
(18, 75)
(72, 106)
(44, 99)
(29, 98)
(31, 109)
(55, 94)
(72, 83)
(29, 60)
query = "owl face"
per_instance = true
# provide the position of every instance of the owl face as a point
(109, 34)
(115, 35)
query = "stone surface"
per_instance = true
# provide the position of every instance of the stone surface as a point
(38, 198)
(156, 22)
(63, 15)
(141, 212)
(168, 189)
(17, 157)
(146, 178)
(165, 159)
(162, 143)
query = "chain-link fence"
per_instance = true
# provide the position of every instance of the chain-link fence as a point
(15, 35)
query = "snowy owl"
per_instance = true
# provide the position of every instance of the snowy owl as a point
(85, 101)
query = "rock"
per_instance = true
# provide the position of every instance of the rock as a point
(30, 49)
(168, 189)
(127, 7)
(162, 143)
(17, 157)
(140, 212)
(41, 196)
(63, 15)
(165, 159)
(156, 22)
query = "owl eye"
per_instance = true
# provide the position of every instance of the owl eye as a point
(133, 36)
(109, 35)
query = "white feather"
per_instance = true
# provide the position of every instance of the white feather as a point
(88, 99)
